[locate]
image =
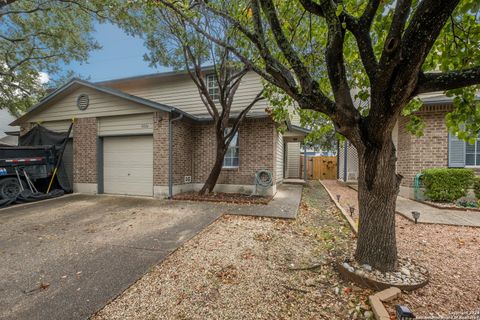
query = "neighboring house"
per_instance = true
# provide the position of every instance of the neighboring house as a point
(437, 148)
(152, 135)
(5, 119)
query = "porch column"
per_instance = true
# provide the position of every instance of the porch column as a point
(304, 162)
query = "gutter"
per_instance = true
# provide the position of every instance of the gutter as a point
(170, 153)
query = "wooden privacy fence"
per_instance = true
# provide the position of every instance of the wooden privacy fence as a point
(320, 167)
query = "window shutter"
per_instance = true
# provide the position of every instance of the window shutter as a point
(456, 152)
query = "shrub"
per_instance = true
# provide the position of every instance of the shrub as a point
(447, 185)
(476, 187)
(467, 202)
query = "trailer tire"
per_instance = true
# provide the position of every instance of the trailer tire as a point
(10, 188)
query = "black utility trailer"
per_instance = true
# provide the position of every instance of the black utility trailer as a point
(20, 164)
(39, 157)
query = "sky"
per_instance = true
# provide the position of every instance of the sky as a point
(121, 56)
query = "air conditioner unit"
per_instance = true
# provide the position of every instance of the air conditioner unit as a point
(187, 179)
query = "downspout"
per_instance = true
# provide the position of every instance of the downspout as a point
(338, 159)
(170, 153)
(305, 162)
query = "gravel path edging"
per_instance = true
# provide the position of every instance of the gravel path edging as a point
(345, 214)
(376, 302)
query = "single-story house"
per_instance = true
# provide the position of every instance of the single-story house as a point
(152, 136)
(437, 148)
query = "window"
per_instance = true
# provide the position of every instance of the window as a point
(231, 156)
(472, 153)
(212, 86)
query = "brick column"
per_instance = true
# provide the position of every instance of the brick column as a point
(85, 155)
(160, 153)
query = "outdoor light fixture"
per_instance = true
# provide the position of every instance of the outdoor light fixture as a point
(415, 215)
(403, 313)
(352, 210)
(338, 197)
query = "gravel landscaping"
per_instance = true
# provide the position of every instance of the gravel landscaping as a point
(261, 268)
(252, 268)
(451, 254)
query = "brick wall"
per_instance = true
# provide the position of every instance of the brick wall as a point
(160, 149)
(257, 151)
(183, 142)
(428, 151)
(85, 150)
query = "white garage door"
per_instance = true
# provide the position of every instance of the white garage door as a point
(128, 165)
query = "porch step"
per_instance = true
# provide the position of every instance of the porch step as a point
(294, 181)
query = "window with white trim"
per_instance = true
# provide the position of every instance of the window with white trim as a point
(472, 153)
(212, 87)
(231, 159)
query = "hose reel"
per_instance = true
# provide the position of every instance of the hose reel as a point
(263, 180)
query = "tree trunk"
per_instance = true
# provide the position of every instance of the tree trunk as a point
(378, 187)
(217, 167)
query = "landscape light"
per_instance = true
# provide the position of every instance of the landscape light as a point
(338, 197)
(403, 313)
(352, 210)
(415, 215)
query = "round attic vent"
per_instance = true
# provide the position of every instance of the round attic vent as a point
(83, 101)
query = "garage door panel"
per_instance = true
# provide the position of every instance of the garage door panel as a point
(128, 165)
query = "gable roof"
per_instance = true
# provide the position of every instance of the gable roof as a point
(156, 75)
(78, 82)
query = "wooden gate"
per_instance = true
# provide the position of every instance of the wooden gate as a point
(321, 167)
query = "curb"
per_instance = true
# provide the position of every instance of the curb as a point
(376, 302)
(346, 215)
(28, 204)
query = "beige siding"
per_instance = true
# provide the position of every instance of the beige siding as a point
(293, 160)
(180, 92)
(294, 116)
(58, 126)
(101, 105)
(126, 125)
(279, 160)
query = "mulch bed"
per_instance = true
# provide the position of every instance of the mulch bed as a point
(224, 197)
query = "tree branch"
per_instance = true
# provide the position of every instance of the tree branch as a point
(417, 41)
(361, 31)
(430, 82)
(369, 14)
(4, 3)
(239, 119)
(297, 65)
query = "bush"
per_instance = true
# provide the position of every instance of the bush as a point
(476, 187)
(447, 185)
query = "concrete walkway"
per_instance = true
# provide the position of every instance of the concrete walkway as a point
(429, 214)
(284, 205)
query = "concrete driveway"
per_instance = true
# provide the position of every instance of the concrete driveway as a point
(66, 258)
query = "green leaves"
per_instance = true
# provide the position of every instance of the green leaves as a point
(37, 36)
(446, 184)
(464, 120)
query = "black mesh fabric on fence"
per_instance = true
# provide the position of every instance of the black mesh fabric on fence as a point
(39, 136)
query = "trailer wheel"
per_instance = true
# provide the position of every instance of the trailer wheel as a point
(10, 188)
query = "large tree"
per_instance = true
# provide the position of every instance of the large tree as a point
(174, 43)
(318, 51)
(37, 37)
